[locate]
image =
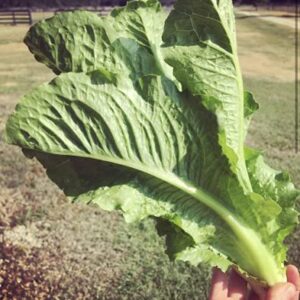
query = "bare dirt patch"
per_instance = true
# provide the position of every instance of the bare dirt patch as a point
(12, 48)
(9, 84)
(259, 51)
(255, 64)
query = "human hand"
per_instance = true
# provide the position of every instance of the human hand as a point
(231, 286)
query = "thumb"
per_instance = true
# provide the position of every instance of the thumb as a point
(282, 291)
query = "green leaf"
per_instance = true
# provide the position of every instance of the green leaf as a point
(200, 44)
(114, 129)
(277, 185)
(127, 41)
(177, 173)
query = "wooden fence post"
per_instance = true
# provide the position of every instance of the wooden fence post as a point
(14, 18)
(30, 16)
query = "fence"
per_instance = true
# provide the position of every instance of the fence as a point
(15, 16)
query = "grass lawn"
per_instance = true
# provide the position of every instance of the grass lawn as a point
(50, 247)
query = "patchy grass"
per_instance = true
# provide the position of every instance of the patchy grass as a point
(50, 248)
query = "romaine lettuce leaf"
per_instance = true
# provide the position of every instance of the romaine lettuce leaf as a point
(116, 128)
(200, 44)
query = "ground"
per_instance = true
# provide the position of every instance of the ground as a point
(50, 249)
